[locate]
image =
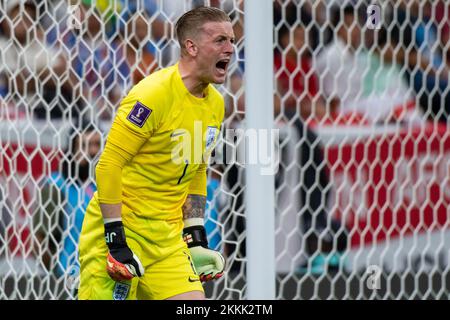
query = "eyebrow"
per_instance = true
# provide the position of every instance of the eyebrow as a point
(222, 36)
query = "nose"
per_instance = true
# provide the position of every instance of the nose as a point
(229, 49)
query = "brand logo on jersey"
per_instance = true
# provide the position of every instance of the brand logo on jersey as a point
(139, 114)
(210, 137)
(121, 291)
(177, 133)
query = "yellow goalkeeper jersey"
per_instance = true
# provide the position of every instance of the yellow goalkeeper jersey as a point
(161, 138)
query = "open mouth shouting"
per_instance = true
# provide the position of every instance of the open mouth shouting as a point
(222, 66)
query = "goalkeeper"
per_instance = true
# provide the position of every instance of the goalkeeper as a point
(143, 234)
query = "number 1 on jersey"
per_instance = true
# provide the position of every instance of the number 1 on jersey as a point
(184, 172)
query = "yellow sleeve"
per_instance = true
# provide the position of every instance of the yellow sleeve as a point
(121, 146)
(198, 183)
(139, 111)
(133, 126)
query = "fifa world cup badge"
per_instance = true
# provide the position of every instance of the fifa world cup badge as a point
(139, 114)
(121, 291)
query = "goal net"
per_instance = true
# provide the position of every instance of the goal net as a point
(361, 102)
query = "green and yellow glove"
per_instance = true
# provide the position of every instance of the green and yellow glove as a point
(209, 264)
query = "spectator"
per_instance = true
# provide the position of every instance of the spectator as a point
(364, 89)
(442, 14)
(297, 86)
(93, 61)
(135, 53)
(163, 16)
(30, 69)
(414, 44)
(319, 235)
(65, 197)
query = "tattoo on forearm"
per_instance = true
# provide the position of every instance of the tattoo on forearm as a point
(194, 206)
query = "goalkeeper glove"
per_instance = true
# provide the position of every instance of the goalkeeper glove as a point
(208, 263)
(121, 263)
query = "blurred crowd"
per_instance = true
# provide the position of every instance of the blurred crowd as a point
(332, 67)
(75, 60)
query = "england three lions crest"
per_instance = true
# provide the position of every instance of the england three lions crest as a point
(211, 134)
(121, 291)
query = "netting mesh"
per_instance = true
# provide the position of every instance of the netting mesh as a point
(361, 101)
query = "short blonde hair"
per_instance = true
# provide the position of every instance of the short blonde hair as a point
(190, 23)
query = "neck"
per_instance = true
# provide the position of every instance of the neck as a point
(191, 79)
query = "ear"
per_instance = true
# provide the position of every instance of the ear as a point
(191, 47)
